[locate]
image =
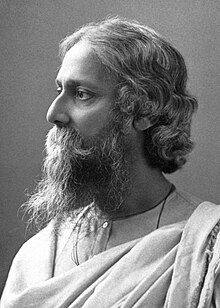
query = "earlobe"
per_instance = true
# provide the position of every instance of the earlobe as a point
(142, 124)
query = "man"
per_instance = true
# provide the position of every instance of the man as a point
(114, 231)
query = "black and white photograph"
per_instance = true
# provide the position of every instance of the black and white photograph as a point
(110, 154)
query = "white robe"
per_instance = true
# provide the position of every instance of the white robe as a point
(176, 266)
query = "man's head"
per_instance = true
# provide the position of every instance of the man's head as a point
(121, 92)
(150, 83)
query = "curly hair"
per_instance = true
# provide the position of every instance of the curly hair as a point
(151, 79)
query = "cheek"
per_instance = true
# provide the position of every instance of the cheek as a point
(91, 122)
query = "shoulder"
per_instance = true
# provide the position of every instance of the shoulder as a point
(179, 206)
(185, 202)
(37, 243)
(33, 262)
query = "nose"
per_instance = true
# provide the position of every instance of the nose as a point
(58, 112)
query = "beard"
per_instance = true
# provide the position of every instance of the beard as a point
(78, 171)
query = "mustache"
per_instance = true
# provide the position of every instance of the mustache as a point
(69, 143)
(60, 139)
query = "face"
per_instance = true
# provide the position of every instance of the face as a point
(86, 149)
(85, 92)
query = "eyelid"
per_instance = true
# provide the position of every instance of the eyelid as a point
(75, 91)
(59, 89)
(84, 91)
(58, 83)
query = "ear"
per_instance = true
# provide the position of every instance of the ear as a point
(142, 124)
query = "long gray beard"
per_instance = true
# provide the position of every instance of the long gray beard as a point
(78, 171)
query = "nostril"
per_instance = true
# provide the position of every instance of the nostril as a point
(59, 123)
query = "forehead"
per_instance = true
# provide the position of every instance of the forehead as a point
(81, 63)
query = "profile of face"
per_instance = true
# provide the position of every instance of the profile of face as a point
(86, 148)
(86, 92)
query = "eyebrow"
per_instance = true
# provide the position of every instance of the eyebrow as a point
(78, 82)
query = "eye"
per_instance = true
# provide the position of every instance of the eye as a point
(83, 95)
(59, 90)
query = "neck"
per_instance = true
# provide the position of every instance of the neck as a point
(148, 188)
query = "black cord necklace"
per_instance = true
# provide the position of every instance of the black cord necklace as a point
(172, 188)
(75, 251)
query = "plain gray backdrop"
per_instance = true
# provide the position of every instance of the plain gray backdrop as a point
(30, 32)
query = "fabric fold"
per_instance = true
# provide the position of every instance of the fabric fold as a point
(162, 269)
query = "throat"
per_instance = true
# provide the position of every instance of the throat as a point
(142, 207)
(148, 188)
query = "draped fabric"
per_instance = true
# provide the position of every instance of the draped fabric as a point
(175, 266)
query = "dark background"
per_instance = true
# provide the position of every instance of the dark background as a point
(30, 32)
